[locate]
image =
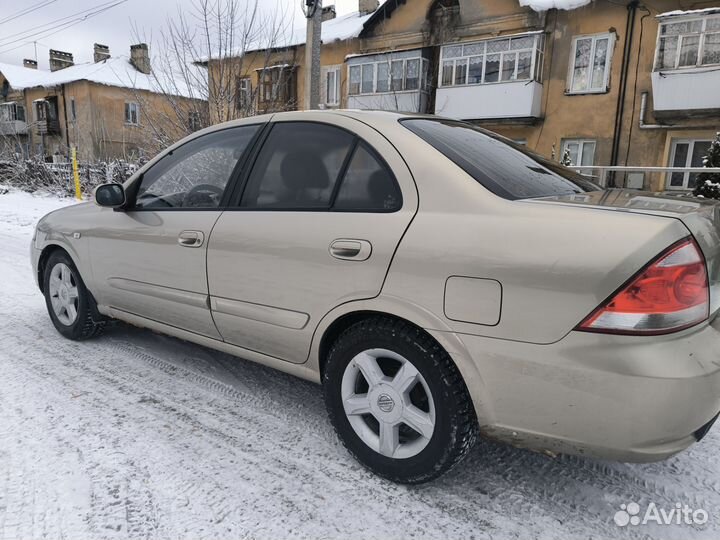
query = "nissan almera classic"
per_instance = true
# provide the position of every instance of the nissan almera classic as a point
(441, 282)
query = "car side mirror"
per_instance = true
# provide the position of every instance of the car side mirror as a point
(110, 195)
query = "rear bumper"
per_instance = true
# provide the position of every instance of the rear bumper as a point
(618, 397)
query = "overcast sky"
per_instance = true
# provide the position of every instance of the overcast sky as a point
(113, 27)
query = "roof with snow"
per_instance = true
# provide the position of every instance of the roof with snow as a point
(340, 28)
(680, 12)
(115, 71)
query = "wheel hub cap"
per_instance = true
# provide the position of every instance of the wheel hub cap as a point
(385, 403)
(63, 294)
(393, 415)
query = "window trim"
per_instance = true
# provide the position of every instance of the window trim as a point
(536, 60)
(233, 202)
(608, 63)
(671, 162)
(581, 144)
(701, 43)
(230, 187)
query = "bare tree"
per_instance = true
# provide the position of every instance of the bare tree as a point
(204, 63)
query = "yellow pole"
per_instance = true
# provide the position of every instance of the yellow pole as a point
(76, 174)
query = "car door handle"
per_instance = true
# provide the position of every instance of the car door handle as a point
(350, 249)
(191, 239)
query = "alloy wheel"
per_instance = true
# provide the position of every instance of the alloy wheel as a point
(63, 294)
(388, 403)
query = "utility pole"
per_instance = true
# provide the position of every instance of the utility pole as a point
(313, 12)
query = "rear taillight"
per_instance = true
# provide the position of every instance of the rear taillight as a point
(670, 294)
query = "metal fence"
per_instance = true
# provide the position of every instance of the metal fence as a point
(679, 179)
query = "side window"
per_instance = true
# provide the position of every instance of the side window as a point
(298, 167)
(195, 174)
(368, 185)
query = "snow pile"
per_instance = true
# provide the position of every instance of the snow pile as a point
(544, 5)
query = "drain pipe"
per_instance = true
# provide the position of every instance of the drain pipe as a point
(625, 64)
(643, 109)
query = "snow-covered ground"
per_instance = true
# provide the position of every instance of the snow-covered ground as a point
(136, 435)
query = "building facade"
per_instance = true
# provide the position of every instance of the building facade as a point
(114, 108)
(610, 83)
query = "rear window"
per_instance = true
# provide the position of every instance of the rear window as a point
(507, 169)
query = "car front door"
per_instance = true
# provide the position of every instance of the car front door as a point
(149, 259)
(316, 225)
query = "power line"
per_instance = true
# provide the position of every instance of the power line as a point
(27, 10)
(61, 23)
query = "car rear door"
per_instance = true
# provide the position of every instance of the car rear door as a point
(149, 259)
(316, 224)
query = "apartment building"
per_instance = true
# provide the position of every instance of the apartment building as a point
(115, 107)
(611, 82)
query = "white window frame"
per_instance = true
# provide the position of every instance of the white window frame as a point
(536, 58)
(701, 42)
(581, 146)
(336, 72)
(608, 63)
(422, 76)
(129, 107)
(688, 162)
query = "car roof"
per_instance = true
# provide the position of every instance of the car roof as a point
(368, 116)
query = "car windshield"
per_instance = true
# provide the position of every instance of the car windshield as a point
(506, 168)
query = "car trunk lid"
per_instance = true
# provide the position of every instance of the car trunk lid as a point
(701, 217)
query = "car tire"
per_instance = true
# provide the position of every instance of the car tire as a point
(417, 382)
(69, 303)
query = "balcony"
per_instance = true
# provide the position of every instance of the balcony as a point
(47, 127)
(492, 79)
(687, 59)
(511, 99)
(396, 81)
(407, 101)
(672, 91)
(13, 127)
(12, 119)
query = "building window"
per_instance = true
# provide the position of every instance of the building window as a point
(331, 85)
(582, 152)
(516, 58)
(379, 77)
(243, 96)
(132, 113)
(277, 88)
(686, 153)
(590, 64)
(73, 110)
(688, 43)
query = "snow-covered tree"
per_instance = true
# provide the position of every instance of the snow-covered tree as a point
(708, 184)
(566, 159)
